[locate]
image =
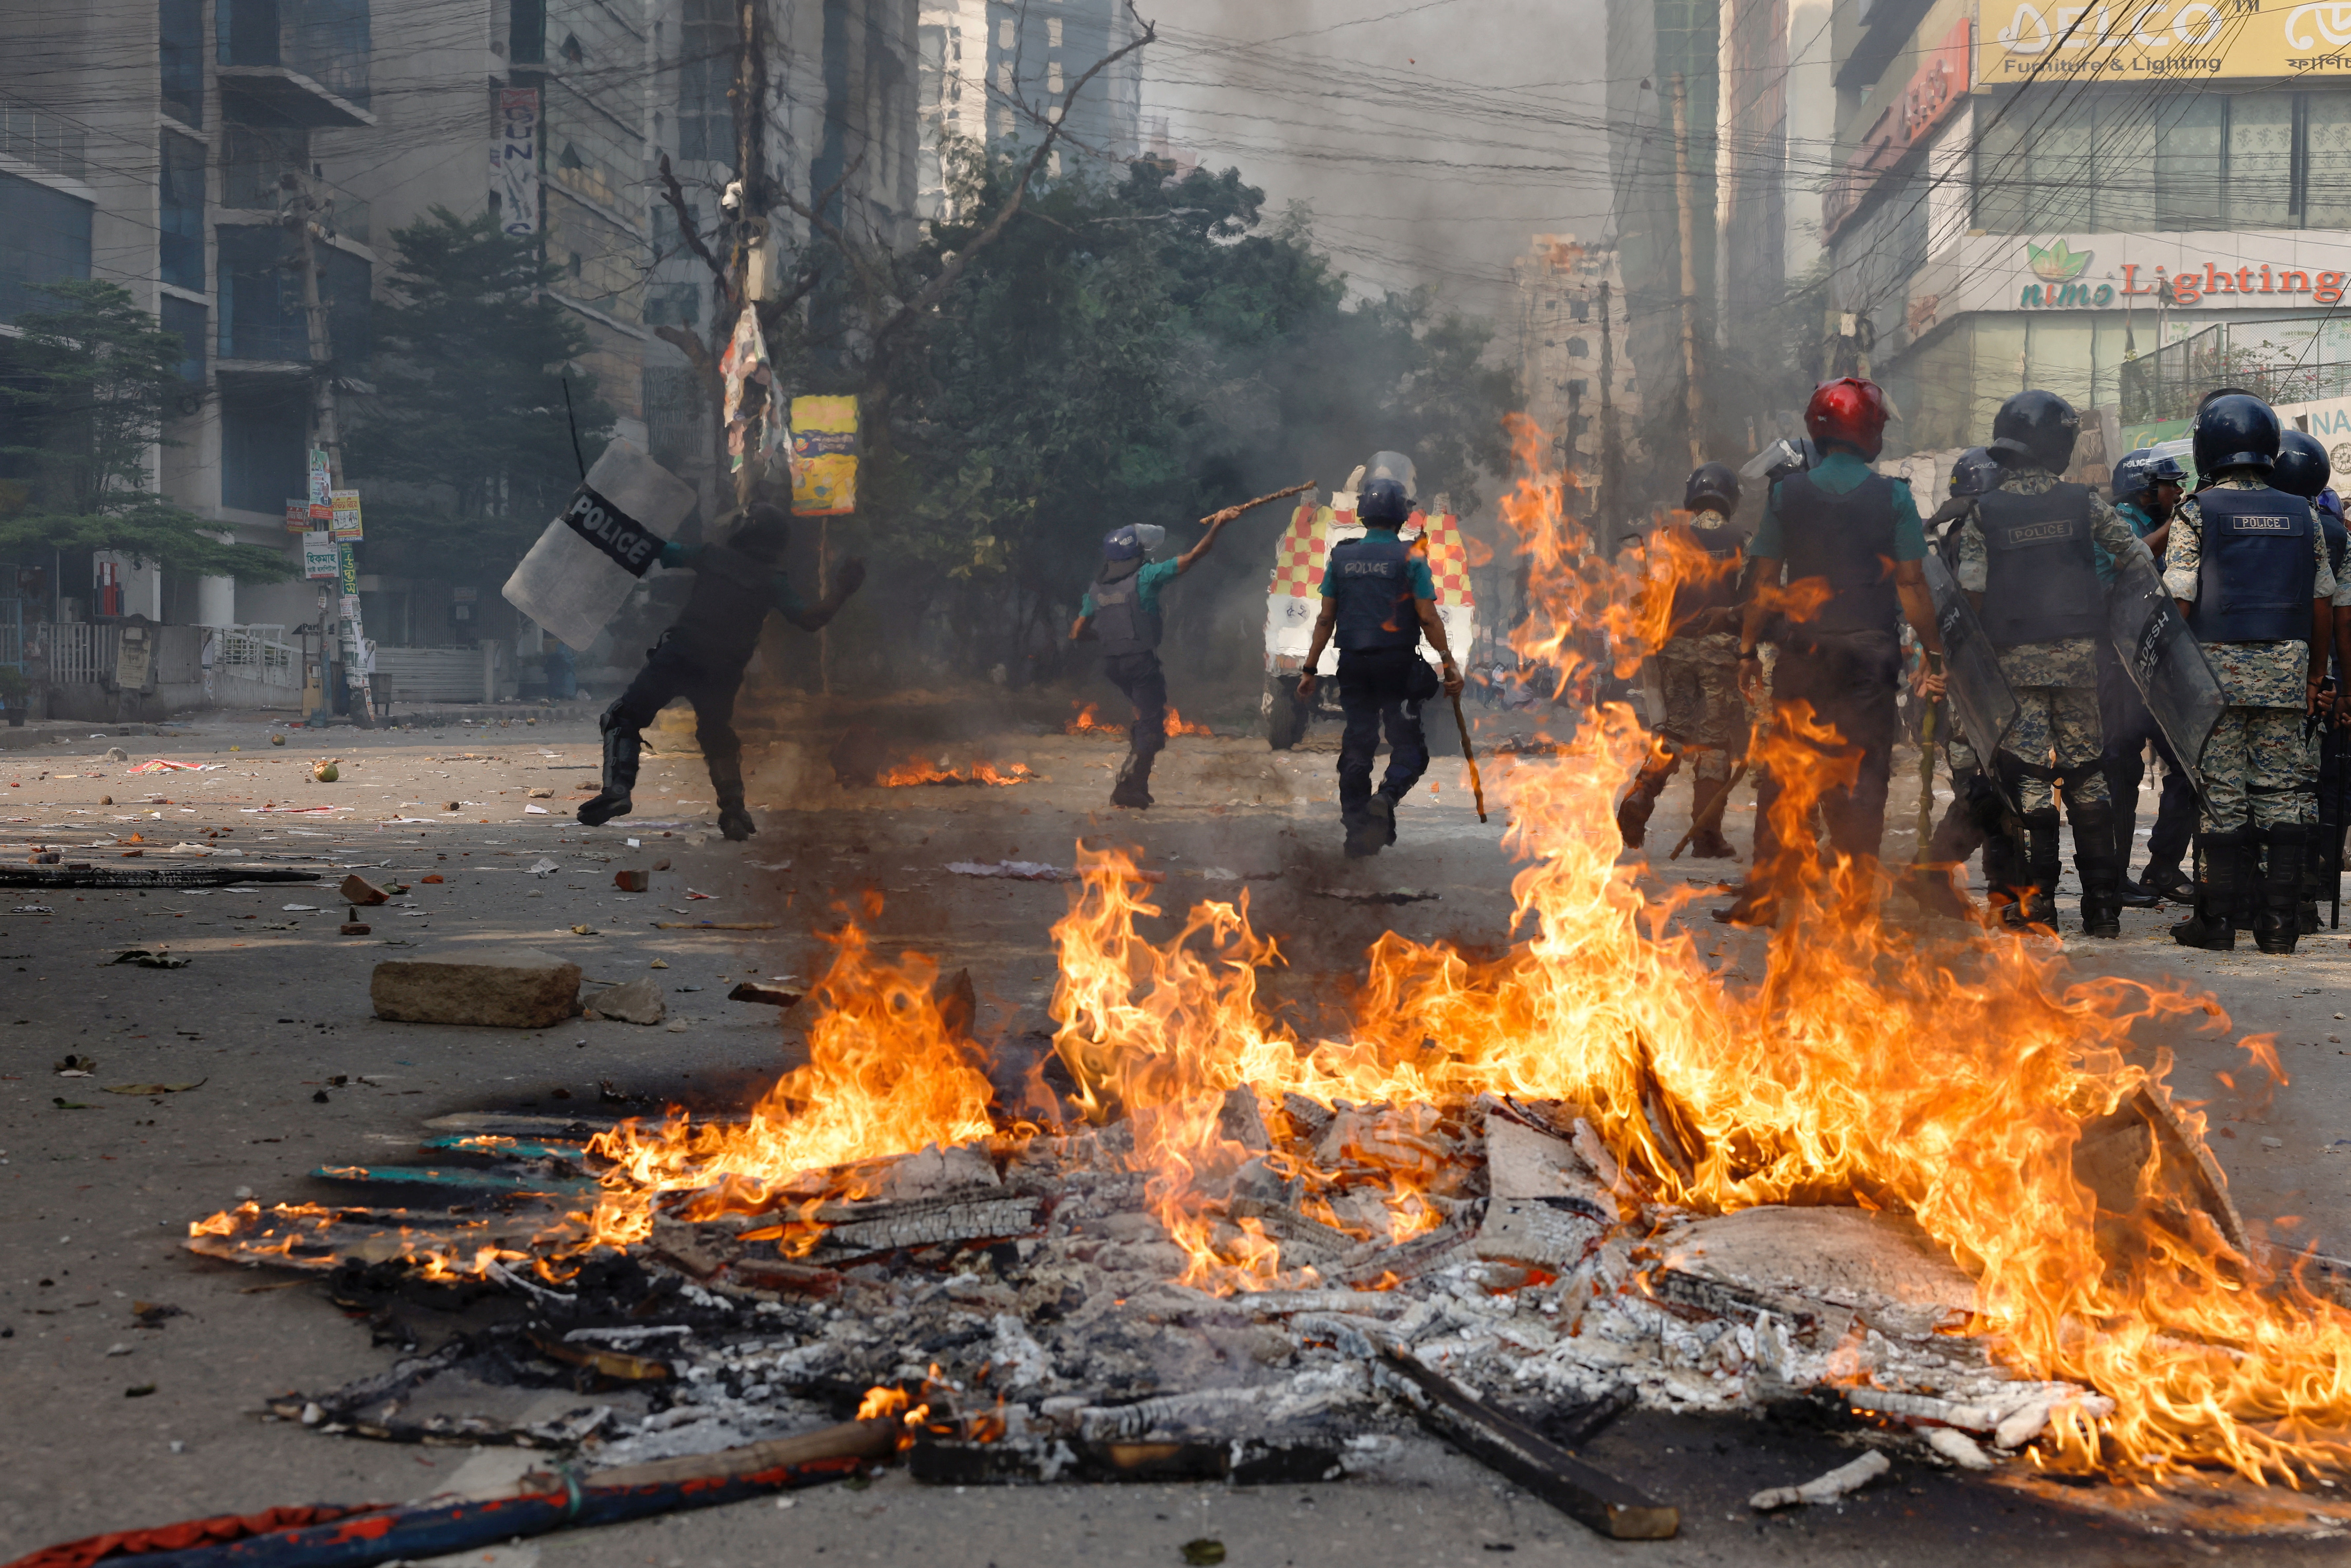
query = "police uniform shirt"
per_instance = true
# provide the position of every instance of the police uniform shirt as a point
(2252, 674)
(1155, 576)
(780, 592)
(2063, 661)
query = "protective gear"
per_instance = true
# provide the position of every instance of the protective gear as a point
(608, 535)
(1133, 542)
(2234, 430)
(2221, 873)
(2039, 907)
(1849, 411)
(673, 670)
(2099, 865)
(2257, 577)
(2279, 924)
(1976, 684)
(2042, 583)
(2302, 467)
(623, 747)
(2035, 429)
(2163, 660)
(1780, 459)
(1640, 801)
(1121, 622)
(1717, 589)
(2139, 471)
(1133, 788)
(1975, 473)
(727, 782)
(1374, 829)
(1376, 601)
(765, 534)
(719, 628)
(1711, 485)
(1849, 541)
(1384, 497)
(1706, 842)
(2329, 506)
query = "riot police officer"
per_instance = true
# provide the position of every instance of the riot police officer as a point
(2303, 469)
(1121, 609)
(1838, 529)
(2147, 486)
(2029, 558)
(2247, 564)
(1379, 600)
(1705, 718)
(702, 656)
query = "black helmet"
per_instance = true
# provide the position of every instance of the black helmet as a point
(2035, 427)
(2141, 471)
(1712, 484)
(2235, 430)
(2302, 467)
(764, 532)
(1976, 473)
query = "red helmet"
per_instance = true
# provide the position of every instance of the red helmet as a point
(1851, 411)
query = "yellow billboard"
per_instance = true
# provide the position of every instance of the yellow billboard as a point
(2157, 40)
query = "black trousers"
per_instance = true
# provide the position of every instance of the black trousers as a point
(2129, 727)
(1850, 682)
(1381, 687)
(671, 672)
(1145, 686)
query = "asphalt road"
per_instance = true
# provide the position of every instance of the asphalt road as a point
(114, 1423)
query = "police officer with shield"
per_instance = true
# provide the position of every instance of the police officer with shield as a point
(1379, 600)
(702, 656)
(2030, 561)
(1705, 718)
(2247, 564)
(2147, 486)
(2303, 469)
(1121, 609)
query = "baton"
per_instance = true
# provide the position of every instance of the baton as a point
(1698, 812)
(1927, 770)
(1261, 500)
(1468, 755)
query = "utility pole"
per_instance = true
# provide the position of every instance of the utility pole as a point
(303, 215)
(1684, 204)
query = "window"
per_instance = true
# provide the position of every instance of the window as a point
(186, 320)
(44, 236)
(2326, 160)
(182, 210)
(181, 27)
(674, 305)
(1580, 308)
(264, 447)
(527, 32)
(260, 297)
(253, 160)
(2261, 162)
(1579, 348)
(706, 124)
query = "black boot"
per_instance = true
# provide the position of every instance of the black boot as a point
(2220, 872)
(1633, 812)
(2277, 927)
(622, 746)
(2167, 883)
(2039, 907)
(727, 782)
(1706, 842)
(2099, 867)
(1133, 788)
(1373, 829)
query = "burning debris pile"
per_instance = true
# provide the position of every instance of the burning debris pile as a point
(1089, 723)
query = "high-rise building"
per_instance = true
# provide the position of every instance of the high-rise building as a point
(994, 72)
(1575, 378)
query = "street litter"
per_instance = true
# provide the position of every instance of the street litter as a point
(1839, 1482)
(150, 958)
(32, 909)
(181, 876)
(1018, 871)
(299, 908)
(713, 926)
(542, 867)
(536, 810)
(154, 1088)
(165, 765)
(1358, 895)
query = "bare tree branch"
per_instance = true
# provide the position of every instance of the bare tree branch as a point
(675, 195)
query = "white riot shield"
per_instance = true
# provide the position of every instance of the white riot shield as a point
(609, 534)
(1972, 679)
(2164, 662)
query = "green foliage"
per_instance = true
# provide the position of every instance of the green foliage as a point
(85, 390)
(464, 452)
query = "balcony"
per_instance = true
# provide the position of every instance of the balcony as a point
(295, 63)
(254, 163)
(43, 141)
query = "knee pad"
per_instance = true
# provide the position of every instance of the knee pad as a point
(610, 719)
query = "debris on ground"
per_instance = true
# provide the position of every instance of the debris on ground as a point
(514, 987)
(150, 958)
(766, 995)
(84, 875)
(357, 889)
(1360, 896)
(638, 1002)
(1839, 1482)
(631, 880)
(1018, 871)
(154, 1088)
(326, 770)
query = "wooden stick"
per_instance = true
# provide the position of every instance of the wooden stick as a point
(1700, 815)
(1469, 755)
(1260, 501)
(713, 926)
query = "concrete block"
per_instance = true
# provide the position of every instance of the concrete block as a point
(639, 1001)
(501, 988)
(357, 889)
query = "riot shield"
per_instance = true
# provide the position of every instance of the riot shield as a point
(2163, 660)
(1972, 678)
(608, 535)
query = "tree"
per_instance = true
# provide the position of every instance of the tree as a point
(85, 389)
(466, 449)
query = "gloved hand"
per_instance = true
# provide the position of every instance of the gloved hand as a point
(851, 577)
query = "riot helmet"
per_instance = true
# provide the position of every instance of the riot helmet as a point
(2302, 467)
(1711, 485)
(1784, 457)
(1384, 499)
(2139, 471)
(1976, 472)
(2235, 430)
(1133, 539)
(2035, 429)
(764, 532)
(1851, 411)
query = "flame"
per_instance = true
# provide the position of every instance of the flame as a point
(1087, 723)
(920, 772)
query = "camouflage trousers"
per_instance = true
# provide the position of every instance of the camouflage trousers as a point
(2056, 728)
(1706, 718)
(2258, 771)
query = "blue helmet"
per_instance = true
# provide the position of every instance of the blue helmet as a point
(2235, 430)
(1976, 473)
(1383, 503)
(2302, 467)
(2141, 471)
(1133, 539)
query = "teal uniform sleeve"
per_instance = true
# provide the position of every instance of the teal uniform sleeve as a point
(1424, 586)
(1767, 541)
(785, 597)
(674, 555)
(1151, 579)
(1086, 606)
(1909, 536)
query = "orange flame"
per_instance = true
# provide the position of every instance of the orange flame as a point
(920, 772)
(1087, 723)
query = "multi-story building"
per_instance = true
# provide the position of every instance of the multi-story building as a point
(1775, 128)
(993, 71)
(1572, 326)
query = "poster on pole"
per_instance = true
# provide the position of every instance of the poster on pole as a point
(321, 561)
(514, 159)
(298, 516)
(347, 566)
(824, 456)
(347, 529)
(322, 489)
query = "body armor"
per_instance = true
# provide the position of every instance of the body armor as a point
(2257, 576)
(1849, 541)
(719, 627)
(1121, 622)
(1373, 575)
(2042, 575)
(1724, 545)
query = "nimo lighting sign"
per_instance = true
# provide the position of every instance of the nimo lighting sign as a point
(2059, 280)
(2146, 40)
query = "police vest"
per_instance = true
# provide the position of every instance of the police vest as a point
(1848, 541)
(1372, 581)
(731, 598)
(1121, 622)
(1724, 545)
(2257, 574)
(2041, 569)
(2330, 519)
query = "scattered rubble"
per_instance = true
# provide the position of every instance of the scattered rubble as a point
(638, 1002)
(519, 987)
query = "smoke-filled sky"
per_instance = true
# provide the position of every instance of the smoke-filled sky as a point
(1431, 137)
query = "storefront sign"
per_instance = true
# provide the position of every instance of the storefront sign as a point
(320, 559)
(1937, 88)
(2252, 270)
(514, 159)
(2154, 40)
